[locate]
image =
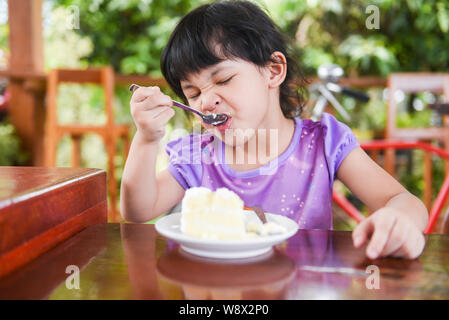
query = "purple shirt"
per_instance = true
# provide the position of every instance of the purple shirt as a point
(297, 184)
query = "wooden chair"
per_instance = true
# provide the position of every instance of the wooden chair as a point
(413, 83)
(110, 132)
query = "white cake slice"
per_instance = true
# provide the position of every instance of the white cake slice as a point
(213, 215)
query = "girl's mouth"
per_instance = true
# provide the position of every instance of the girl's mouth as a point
(224, 126)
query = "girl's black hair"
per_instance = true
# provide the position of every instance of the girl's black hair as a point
(242, 30)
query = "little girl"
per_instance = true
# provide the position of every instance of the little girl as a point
(229, 57)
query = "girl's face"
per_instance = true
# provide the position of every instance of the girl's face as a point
(236, 88)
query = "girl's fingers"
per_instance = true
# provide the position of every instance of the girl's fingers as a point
(149, 114)
(151, 110)
(165, 115)
(397, 240)
(362, 232)
(155, 114)
(412, 249)
(142, 93)
(389, 236)
(419, 245)
(162, 100)
(380, 238)
(143, 111)
(155, 118)
(149, 97)
(157, 124)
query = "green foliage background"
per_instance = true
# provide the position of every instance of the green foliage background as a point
(412, 35)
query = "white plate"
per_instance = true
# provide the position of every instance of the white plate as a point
(169, 227)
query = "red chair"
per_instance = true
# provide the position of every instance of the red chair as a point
(415, 83)
(440, 200)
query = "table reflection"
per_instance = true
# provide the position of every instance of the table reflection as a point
(39, 278)
(329, 267)
(315, 249)
(131, 261)
(313, 264)
(263, 277)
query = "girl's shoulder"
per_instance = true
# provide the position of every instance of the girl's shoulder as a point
(337, 138)
(328, 127)
(327, 121)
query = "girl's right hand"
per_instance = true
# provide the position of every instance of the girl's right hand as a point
(151, 109)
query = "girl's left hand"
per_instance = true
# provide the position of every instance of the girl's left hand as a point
(391, 233)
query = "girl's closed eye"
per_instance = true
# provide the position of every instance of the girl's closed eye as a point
(194, 96)
(221, 83)
(225, 81)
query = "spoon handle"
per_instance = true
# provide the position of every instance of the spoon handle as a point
(134, 87)
(183, 106)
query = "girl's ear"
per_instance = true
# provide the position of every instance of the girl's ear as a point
(277, 68)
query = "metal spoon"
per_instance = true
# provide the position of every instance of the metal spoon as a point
(267, 228)
(260, 213)
(213, 118)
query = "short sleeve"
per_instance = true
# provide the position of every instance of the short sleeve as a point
(185, 160)
(339, 141)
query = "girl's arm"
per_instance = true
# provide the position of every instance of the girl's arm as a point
(396, 226)
(145, 195)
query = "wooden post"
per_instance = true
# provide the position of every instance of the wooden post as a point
(26, 46)
(76, 150)
(107, 80)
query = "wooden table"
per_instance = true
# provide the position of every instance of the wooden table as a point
(40, 207)
(132, 261)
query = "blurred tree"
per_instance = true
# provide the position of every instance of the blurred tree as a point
(412, 36)
(10, 153)
(128, 34)
(63, 48)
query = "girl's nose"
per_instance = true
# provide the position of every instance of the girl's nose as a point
(210, 103)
